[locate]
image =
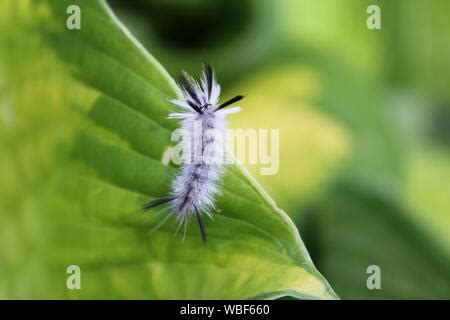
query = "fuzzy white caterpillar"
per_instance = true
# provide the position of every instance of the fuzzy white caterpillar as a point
(195, 188)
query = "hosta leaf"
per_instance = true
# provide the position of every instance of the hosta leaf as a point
(112, 161)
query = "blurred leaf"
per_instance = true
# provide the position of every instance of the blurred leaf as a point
(338, 28)
(417, 52)
(354, 227)
(427, 185)
(182, 34)
(312, 145)
(397, 224)
(101, 162)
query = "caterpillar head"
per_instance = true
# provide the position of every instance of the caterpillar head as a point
(204, 96)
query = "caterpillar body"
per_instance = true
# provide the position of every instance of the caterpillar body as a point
(194, 189)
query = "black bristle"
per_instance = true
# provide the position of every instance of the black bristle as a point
(156, 202)
(231, 101)
(209, 78)
(187, 85)
(200, 224)
(193, 106)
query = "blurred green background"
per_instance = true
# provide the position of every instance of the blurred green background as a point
(364, 119)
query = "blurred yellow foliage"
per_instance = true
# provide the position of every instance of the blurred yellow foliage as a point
(428, 176)
(311, 143)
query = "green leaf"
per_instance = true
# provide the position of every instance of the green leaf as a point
(105, 159)
(356, 226)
